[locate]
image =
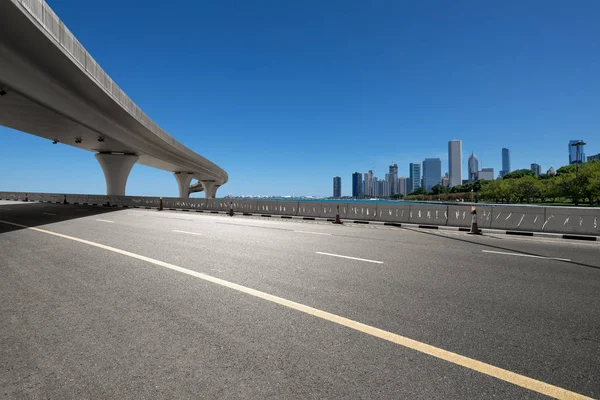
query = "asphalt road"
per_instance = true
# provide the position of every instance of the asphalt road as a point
(129, 303)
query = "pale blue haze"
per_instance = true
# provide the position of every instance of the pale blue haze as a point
(286, 95)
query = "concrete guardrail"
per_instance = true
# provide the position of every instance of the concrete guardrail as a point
(565, 220)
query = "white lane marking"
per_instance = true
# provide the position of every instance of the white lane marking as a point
(49, 213)
(439, 353)
(348, 257)
(189, 233)
(525, 255)
(315, 233)
(105, 220)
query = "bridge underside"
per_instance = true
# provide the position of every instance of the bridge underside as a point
(45, 92)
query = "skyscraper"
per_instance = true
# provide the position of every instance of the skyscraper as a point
(505, 162)
(473, 167)
(393, 181)
(357, 185)
(536, 168)
(574, 155)
(455, 162)
(432, 173)
(403, 185)
(337, 187)
(369, 189)
(415, 177)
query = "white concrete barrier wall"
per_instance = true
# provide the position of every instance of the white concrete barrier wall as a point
(428, 214)
(309, 208)
(362, 211)
(266, 207)
(567, 220)
(461, 216)
(330, 209)
(520, 218)
(571, 220)
(393, 213)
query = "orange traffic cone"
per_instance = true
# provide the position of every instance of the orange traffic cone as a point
(474, 228)
(337, 216)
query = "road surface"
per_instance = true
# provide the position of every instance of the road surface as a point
(132, 303)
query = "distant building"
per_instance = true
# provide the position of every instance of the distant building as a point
(337, 187)
(464, 181)
(594, 157)
(473, 167)
(384, 186)
(537, 169)
(486, 173)
(576, 154)
(505, 162)
(403, 185)
(446, 180)
(414, 170)
(369, 189)
(393, 181)
(455, 162)
(432, 173)
(357, 185)
(551, 172)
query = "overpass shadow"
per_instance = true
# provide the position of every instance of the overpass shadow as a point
(31, 214)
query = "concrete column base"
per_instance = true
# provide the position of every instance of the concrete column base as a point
(210, 189)
(183, 180)
(116, 168)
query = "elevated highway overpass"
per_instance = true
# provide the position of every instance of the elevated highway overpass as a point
(51, 87)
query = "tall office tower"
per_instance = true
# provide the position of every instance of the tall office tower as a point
(576, 153)
(486, 173)
(337, 187)
(473, 167)
(357, 185)
(415, 177)
(403, 185)
(537, 169)
(369, 188)
(393, 179)
(505, 162)
(432, 173)
(455, 162)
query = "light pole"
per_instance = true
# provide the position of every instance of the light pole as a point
(577, 144)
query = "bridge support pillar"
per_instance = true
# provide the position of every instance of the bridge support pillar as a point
(183, 180)
(116, 168)
(210, 189)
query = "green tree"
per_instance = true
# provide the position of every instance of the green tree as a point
(568, 186)
(549, 189)
(419, 191)
(439, 188)
(519, 173)
(589, 179)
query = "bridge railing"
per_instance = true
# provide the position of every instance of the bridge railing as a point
(50, 22)
(566, 220)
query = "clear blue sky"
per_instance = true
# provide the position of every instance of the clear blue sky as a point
(287, 94)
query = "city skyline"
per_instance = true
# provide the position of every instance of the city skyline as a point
(417, 171)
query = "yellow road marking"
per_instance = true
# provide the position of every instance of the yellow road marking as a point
(479, 366)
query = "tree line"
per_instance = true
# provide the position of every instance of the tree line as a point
(522, 186)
